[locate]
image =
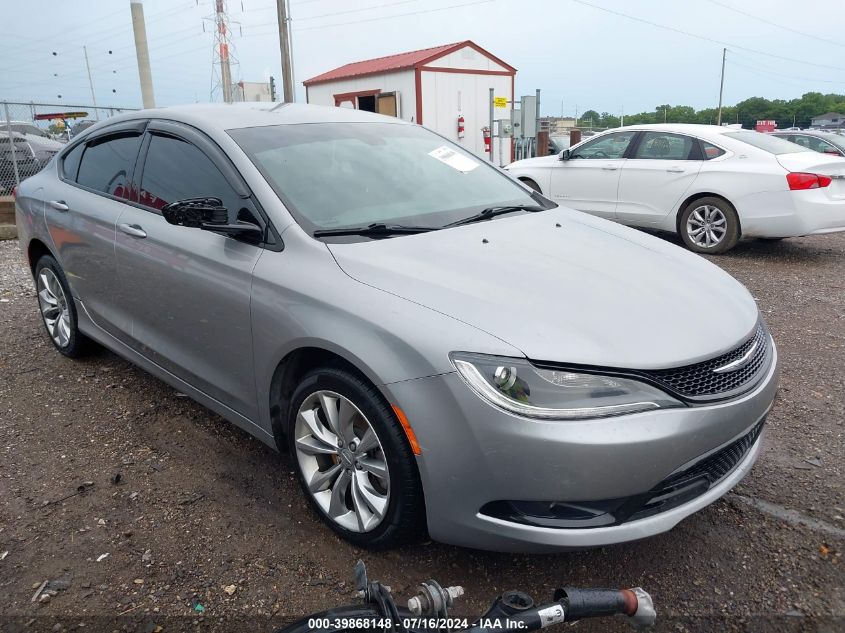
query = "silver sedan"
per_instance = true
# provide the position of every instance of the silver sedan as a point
(440, 348)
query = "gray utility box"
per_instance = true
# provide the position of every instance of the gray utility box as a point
(528, 109)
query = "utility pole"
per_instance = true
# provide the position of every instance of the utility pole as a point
(91, 83)
(721, 86)
(492, 116)
(142, 53)
(283, 11)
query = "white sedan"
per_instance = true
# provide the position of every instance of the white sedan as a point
(709, 184)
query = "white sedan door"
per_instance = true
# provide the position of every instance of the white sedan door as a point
(660, 170)
(588, 180)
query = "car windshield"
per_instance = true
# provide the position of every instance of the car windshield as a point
(767, 142)
(336, 175)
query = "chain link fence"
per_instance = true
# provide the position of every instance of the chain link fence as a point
(32, 133)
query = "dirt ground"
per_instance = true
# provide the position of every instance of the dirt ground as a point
(184, 509)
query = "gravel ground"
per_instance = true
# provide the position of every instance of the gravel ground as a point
(184, 509)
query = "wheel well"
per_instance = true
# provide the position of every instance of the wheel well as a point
(526, 180)
(289, 373)
(699, 196)
(36, 250)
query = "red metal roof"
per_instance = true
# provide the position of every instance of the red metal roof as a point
(392, 63)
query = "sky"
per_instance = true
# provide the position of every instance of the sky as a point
(580, 53)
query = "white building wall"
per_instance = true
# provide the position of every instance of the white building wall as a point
(402, 82)
(444, 95)
(467, 57)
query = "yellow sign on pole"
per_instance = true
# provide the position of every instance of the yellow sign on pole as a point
(500, 102)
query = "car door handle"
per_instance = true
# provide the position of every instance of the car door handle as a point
(676, 170)
(58, 205)
(610, 167)
(132, 229)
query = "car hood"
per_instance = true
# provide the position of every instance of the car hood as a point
(534, 162)
(43, 144)
(587, 291)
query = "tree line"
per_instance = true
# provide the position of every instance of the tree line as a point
(794, 112)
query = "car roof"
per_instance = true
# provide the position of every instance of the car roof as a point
(688, 128)
(807, 132)
(228, 116)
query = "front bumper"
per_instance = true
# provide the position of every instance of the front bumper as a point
(474, 454)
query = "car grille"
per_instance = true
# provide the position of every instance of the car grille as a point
(672, 492)
(698, 478)
(701, 382)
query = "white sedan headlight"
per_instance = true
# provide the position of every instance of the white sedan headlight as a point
(517, 386)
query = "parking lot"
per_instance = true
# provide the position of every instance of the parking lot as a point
(186, 510)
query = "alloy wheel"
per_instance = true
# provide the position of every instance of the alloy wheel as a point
(342, 461)
(706, 226)
(54, 307)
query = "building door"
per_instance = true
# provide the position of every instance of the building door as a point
(386, 104)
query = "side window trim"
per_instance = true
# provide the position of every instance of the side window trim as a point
(218, 158)
(101, 135)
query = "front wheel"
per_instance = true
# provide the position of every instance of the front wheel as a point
(709, 225)
(354, 462)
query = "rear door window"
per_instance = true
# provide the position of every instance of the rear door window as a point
(107, 164)
(663, 146)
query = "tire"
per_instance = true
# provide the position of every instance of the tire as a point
(345, 499)
(709, 225)
(531, 183)
(55, 298)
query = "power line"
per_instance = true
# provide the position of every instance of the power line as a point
(770, 70)
(370, 8)
(702, 37)
(397, 15)
(775, 24)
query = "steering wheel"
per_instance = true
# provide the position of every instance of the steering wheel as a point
(600, 154)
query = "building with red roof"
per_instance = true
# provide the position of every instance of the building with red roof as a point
(434, 86)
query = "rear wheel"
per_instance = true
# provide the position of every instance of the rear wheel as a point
(354, 461)
(58, 312)
(709, 225)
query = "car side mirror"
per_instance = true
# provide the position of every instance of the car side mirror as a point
(565, 155)
(208, 214)
(194, 212)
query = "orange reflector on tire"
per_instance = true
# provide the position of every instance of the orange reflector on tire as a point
(409, 432)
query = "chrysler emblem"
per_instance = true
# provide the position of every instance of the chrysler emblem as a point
(739, 363)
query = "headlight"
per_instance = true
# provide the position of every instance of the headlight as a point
(519, 387)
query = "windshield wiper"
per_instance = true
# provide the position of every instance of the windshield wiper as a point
(491, 212)
(375, 230)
